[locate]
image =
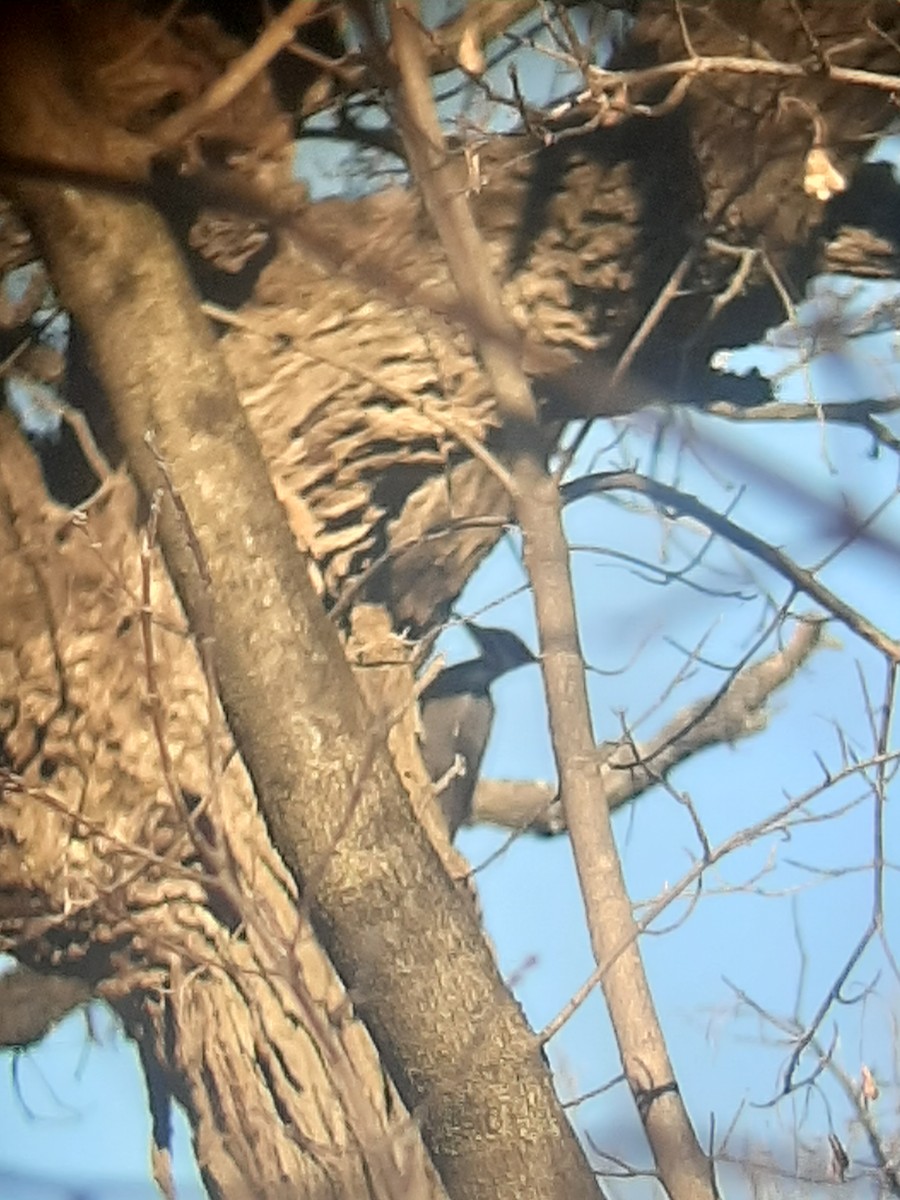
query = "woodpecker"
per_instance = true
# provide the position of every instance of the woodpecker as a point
(457, 713)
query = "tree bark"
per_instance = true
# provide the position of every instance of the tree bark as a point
(201, 963)
(201, 941)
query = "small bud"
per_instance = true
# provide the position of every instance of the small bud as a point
(470, 55)
(868, 1087)
(839, 1160)
(822, 179)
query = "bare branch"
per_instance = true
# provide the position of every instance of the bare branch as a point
(687, 505)
(278, 33)
(628, 769)
(680, 1160)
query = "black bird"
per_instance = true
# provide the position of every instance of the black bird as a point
(457, 714)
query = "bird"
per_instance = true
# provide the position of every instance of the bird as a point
(457, 713)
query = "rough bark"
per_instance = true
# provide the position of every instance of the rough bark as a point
(352, 357)
(358, 378)
(374, 885)
(191, 959)
(101, 875)
(585, 234)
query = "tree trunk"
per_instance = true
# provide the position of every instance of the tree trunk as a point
(131, 850)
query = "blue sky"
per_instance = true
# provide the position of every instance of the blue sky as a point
(75, 1111)
(73, 1093)
(531, 897)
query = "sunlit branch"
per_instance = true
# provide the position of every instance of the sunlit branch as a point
(686, 505)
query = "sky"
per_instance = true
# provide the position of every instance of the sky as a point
(775, 921)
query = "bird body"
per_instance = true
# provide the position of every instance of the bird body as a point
(457, 714)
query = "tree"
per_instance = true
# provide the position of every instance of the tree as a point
(309, 981)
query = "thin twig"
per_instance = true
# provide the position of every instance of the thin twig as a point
(241, 72)
(689, 506)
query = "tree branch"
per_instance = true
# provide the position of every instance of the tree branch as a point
(689, 506)
(682, 1165)
(630, 768)
(404, 938)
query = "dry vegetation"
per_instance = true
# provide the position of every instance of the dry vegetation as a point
(291, 431)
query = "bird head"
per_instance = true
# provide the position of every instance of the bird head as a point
(501, 650)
